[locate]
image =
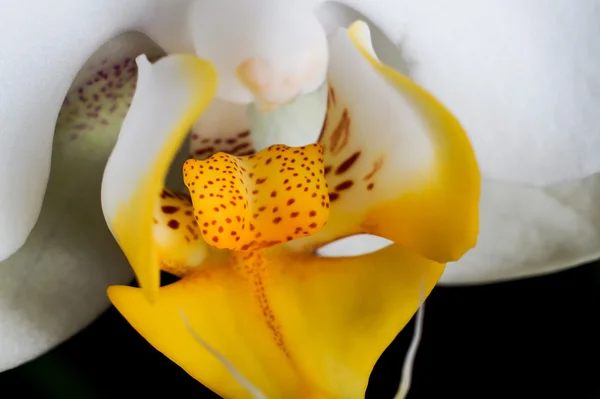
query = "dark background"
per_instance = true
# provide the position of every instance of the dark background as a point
(534, 338)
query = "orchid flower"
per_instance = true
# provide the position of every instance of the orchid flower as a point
(68, 77)
(390, 161)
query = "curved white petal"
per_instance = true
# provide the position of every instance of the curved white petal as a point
(55, 284)
(44, 44)
(526, 231)
(522, 77)
(170, 96)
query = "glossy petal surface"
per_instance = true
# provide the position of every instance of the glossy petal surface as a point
(293, 325)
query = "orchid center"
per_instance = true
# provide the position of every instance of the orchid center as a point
(242, 204)
(244, 240)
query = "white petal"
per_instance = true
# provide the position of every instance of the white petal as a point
(270, 50)
(170, 96)
(56, 283)
(522, 77)
(526, 231)
(44, 45)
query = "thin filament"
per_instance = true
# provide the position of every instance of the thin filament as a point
(255, 392)
(409, 359)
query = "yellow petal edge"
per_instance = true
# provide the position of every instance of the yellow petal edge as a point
(132, 225)
(458, 167)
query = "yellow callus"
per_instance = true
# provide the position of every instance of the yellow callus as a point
(257, 201)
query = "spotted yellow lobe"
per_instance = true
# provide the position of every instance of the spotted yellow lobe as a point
(177, 236)
(257, 201)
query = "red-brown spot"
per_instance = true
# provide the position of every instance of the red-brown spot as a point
(204, 151)
(331, 96)
(347, 164)
(239, 147)
(344, 185)
(339, 136)
(376, 167)
(169, 209)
